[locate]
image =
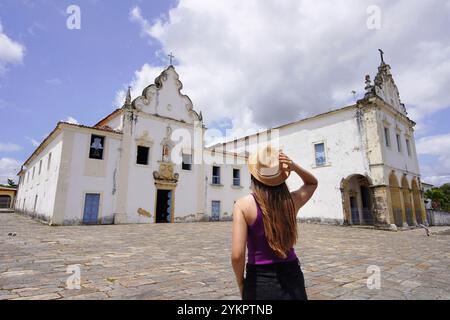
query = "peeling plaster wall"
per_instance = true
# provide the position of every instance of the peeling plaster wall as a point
(116, 123)
(393, 159)
(345, 155)
(43, 185)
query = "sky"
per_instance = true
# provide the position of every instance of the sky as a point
(246, 65)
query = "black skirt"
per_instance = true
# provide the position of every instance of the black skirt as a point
(277, 281)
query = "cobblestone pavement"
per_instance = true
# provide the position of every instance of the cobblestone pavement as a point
(192, 261)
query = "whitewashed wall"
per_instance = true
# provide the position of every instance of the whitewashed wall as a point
(83, 181)
(393, 159)
(141, 184)
(43, 185)
(226, 193)
(344, 156)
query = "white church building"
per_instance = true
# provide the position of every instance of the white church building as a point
(146, 163)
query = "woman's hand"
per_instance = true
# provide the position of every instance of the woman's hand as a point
(286, 164)
(305, 192)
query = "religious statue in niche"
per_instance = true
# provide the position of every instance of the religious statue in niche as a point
(166, 153)
(166, 170)
(167, 145)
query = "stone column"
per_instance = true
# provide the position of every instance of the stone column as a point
(381, 206)
(422, 209)
(402, 202)
(413, 207)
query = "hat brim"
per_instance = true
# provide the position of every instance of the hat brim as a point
(270, 181)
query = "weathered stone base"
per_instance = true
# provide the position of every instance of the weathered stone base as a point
(35, 216)
(120, 218)
(317, 220)
(380, 205)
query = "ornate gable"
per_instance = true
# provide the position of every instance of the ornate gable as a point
(164, 98)
(384, 87)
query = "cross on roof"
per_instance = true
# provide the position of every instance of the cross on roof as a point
(171, 56)
(381, 55)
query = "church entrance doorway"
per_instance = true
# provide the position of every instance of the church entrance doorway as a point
(164, 206)
(357, 200)
(354, 210)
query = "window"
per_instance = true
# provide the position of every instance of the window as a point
(96, 147)
(5, 202)
(236, 177)
(142, 155)
(387, 138)
(34, 170)
(408, 147)
(49, 161)
(187, 162)
(398, 143)
(28, 176)
(319, 149)
(40, 167)
(216, 175)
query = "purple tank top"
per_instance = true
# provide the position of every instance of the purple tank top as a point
(259, 251)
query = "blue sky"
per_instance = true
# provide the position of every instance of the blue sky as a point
(80, 75)
(67, 73)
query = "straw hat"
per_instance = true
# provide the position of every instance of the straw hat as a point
(264, 166)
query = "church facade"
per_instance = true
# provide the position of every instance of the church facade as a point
(146, 163)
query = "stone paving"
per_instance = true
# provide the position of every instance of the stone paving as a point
(192, 261)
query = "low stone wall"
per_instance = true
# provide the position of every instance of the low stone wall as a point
(335, 222)
(438, 218)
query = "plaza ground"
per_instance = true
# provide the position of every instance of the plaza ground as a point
(192, 261)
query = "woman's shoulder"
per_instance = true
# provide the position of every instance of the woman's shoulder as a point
(246, 205)
(245, 202)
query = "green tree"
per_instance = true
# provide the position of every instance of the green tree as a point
(11, 183)
(440, 197)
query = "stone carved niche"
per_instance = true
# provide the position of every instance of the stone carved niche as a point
(166, 171)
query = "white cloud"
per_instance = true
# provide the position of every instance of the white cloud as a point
(9, 147)
(34, 142)
(11, 52)
(262, 63)
(142, 78)
(439, 147)
(71, 120)
(8, 169)
(136, 16)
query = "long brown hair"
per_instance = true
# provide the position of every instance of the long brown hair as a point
(279, 216)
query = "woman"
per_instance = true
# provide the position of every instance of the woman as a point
(265, 222)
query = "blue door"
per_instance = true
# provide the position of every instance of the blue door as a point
(91, 204)
(215, 210)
